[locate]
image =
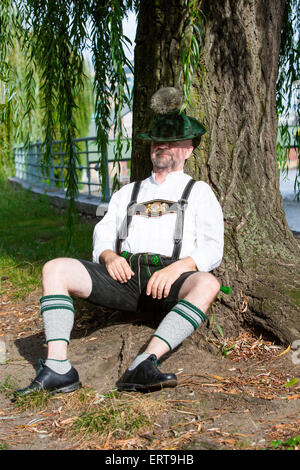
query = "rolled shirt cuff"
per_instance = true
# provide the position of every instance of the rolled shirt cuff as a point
(98, 250)
(205, 264)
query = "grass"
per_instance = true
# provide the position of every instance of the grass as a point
(293, 443)
(36, 400)
(116, 418)
(7, 387)
(113, 414)
(32, 232)
(92, 420)
(4, 446)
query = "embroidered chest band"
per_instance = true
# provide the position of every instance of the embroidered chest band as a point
(156, 208)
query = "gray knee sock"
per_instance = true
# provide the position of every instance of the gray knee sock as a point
(179, 323)
(58, 317)
(140, 358)
(58, 366)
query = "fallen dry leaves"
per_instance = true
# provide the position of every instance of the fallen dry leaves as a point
(19, 317)
(260, 353)
(246, 346)
(266, 385)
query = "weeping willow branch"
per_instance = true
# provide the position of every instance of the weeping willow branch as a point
(289, 73)
(190, 45)
(57, 39)
(110, 83)
(6, 88)
(54, 35)
(119, 88)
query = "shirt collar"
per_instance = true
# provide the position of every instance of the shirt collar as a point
(171, 175)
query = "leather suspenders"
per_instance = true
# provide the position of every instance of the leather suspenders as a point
(178, 233)
(128, 218)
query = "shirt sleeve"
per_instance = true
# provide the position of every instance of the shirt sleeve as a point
(105, 231)
(210, 231)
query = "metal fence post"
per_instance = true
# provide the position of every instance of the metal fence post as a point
(61, 159)
(28, 164)
(106, 189)
(51, 169)
(88, 166)
(15, 161)
(38, 162)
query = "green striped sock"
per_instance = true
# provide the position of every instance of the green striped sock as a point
(179, 323)
(58, 317)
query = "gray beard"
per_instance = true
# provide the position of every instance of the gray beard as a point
(161, 163)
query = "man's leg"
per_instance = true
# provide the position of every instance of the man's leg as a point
(198, 290)
(61, 278)
(196, 295)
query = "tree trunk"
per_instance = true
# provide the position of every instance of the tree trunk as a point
(234, 96)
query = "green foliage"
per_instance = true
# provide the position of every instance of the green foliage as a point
(53, 36)
(291, 382)
(4, 446)
(110, 83)
(190, 46)
(292, 443)
(24, 108)
(31, 233)
(288, 75)
(56, 35)
(36, 400)
(6, 19)
(112, 416)
(7, 387)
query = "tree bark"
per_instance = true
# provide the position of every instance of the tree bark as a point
(234, 96)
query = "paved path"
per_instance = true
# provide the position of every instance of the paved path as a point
(290, 204)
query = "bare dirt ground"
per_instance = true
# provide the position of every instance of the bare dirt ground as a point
(233, 393)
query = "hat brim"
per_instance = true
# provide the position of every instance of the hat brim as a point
(147, 136)
(173, 127)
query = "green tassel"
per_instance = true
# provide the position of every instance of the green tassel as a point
(225, 289)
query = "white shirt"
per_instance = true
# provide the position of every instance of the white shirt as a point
(203, 232)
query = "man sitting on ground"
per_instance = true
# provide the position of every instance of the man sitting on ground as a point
(154, 249)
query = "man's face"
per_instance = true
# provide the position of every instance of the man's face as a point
(170, 155)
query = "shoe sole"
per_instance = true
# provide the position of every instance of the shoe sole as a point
(129, 387)
(67, 389)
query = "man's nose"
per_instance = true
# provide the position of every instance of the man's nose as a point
(163, 145)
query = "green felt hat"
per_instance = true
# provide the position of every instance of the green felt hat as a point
(170, 124)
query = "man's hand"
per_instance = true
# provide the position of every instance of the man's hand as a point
(161, 281)
(117, 266)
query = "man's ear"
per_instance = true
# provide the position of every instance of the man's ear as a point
(189, 151)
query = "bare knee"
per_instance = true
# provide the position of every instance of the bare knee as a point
(200, 288)
(210, 282)
(55, 267)
(204, 281)
(66, 275)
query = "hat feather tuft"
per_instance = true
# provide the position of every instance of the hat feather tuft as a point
(166, 99)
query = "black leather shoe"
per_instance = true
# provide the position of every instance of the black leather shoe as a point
(146, 377)
(49, 380)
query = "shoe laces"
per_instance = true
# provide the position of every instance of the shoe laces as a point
(154, 360)
(42, 365)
